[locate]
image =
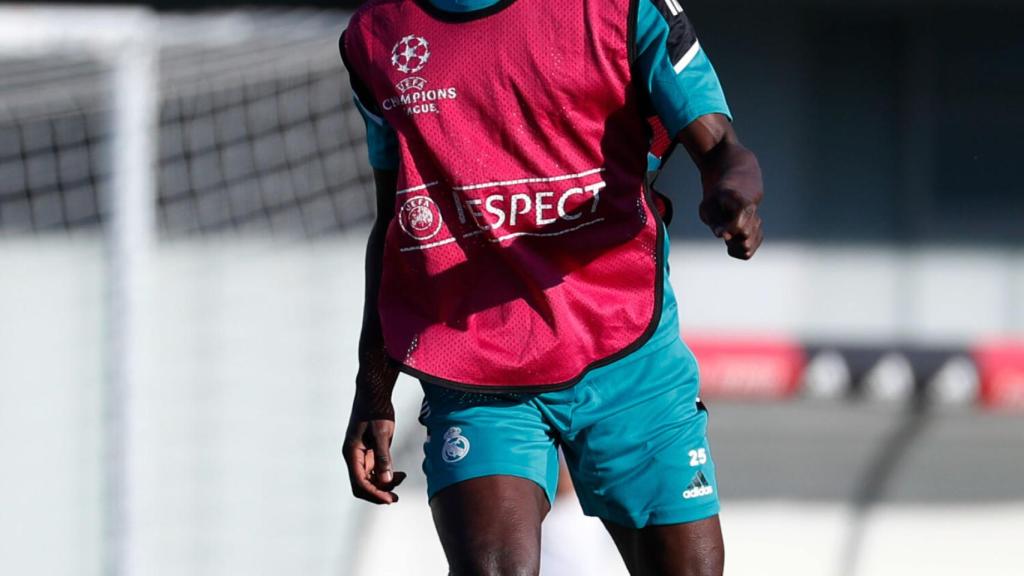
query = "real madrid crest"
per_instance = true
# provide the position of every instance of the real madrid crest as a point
(456, 446)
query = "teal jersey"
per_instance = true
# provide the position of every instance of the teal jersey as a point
(680, 81)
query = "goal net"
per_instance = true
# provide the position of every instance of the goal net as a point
(183, 210)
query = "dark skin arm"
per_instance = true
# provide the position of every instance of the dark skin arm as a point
(371, 427)
(731, 179)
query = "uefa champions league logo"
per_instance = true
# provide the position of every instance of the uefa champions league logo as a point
(410, 54)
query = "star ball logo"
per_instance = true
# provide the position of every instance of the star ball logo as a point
(420, 218)
(410, 54)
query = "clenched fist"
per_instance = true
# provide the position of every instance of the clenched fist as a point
(732, 216)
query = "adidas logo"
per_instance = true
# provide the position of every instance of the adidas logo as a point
(698, 487)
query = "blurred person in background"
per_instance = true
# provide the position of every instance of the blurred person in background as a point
(518, 269)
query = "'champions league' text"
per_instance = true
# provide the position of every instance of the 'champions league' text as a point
(420, 101)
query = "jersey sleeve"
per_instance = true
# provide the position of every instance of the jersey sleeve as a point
(680, 80)
(381, 141)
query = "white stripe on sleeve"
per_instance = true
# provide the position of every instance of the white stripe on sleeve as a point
(687, 58)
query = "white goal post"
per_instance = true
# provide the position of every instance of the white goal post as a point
(184, 200)
(124, 41)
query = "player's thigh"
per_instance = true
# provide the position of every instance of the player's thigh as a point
(491, 525)
(641, 457)
(688, 549)
(471, 435)
(492, 468)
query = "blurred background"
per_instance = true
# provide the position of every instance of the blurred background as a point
(184, 204)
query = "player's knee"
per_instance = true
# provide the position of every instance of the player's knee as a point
(710, 562)
(693, 549)
(713, 564)
(498, 563)
(495, 570)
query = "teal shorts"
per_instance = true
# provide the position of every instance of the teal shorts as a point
(633, 432)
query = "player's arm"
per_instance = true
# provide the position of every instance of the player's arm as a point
(372, 423)
(731, 178)
(371, 427)
(687, 97)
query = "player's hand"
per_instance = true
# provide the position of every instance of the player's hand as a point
(732, 183)
(368, 456)
(732, 216)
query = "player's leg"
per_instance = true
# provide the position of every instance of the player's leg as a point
(491, 525)
(491, 468)
(693, 548)
(640, 460)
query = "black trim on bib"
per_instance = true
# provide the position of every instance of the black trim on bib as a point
(652, 180)
(631, 27)
(359, 88)
(446, 16)
(646, 104)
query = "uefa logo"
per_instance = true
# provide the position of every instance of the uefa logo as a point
(420, 218)
(410, 54)
(411, 83)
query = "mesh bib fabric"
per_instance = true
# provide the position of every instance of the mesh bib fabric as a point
(524, 247)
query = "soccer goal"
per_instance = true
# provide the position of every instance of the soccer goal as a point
(184, 201)
(78, 102)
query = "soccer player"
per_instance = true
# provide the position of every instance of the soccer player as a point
(518, 267)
